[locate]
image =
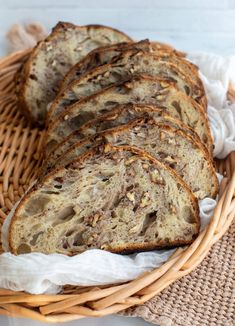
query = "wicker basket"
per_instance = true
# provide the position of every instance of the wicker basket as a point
(19, 162)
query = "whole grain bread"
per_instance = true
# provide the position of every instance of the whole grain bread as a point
(138, 90)
(125, 113)
(124, 67)
(166, 142)
(117, 199)
(53, 57)
(119, 116)
(106, 54)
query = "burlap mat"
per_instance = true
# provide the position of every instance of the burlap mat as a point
(204, 297)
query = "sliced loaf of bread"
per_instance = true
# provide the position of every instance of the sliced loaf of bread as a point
(125, 113)
(117, 199)
(106, 54)
(169, 144)
(125, 66)
(121, 115)
(53, 57)
(139, 90)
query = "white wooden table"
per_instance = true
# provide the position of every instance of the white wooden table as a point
(207, 25)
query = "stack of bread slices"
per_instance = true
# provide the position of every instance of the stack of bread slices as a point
(127, 152)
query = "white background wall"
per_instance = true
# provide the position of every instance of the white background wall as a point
(187, 24)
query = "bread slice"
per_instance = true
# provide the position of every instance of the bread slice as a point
(53, 57)
(106, 54)
(125, 113)
(125, 66)
(169, 144)
(117, 199)
(139, 90)
(121, 115)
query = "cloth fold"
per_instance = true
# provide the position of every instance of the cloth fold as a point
(216, 73)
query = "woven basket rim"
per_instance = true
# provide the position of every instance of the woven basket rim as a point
(20, 145)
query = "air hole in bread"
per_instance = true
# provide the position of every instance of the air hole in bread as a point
(187, 89)
(103, 178)
(50, 192)
(65, 244)
(64, 215)
(35, 238)
(149, 218)
(111, 104)
(177, 106)
(117, 76)
(70, 232)
(58, 186)
(78, 240)
(80, 119)
(36, 205)
(23, 249)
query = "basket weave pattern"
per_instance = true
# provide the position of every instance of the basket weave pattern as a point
(19, 161)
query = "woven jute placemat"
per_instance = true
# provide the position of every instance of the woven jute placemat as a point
(204, 297)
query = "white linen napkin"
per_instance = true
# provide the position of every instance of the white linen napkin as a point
(38, 273)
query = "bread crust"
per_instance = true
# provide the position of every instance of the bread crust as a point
(95, 58)
(77, 106)
(28, 65)
(180, 68)
(143, 109)
(108, 148)
(100, 138)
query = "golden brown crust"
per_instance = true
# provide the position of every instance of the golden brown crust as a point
(91, 153)
(133, 248)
